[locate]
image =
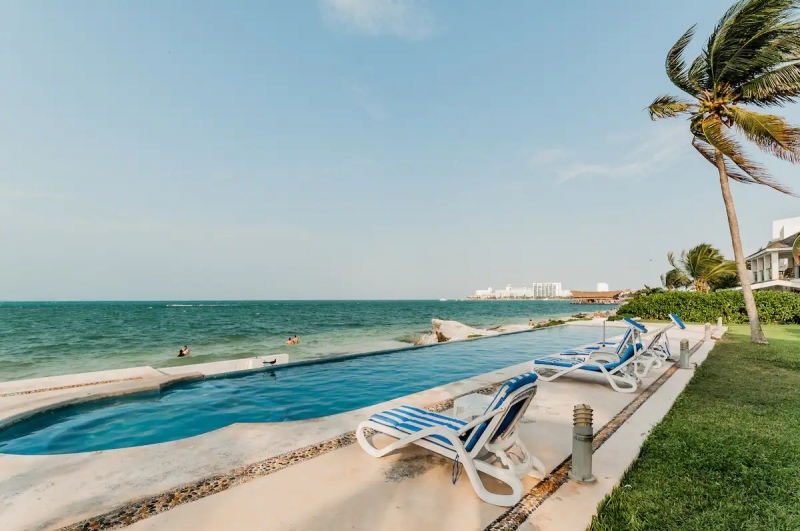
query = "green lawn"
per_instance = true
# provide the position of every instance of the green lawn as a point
(727, 456)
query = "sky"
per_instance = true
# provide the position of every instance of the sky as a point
(350, 149)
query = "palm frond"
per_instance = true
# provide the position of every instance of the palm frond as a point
(709, 152)
(726, 267)
(743, 43)
(671, 260)
(778, 87)
(769, 132)
(676, 66)
(717, 36)
(699, 72)
(669, 107)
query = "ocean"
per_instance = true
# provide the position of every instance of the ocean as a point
(50, 338)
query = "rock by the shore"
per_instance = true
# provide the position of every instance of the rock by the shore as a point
(444, 331)
(454, 331)
(426, 339)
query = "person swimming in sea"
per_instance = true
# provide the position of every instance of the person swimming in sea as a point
(183, 352)
(293, 340)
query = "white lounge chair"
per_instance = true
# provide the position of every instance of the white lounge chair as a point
(490, 443)
(620, 372)
(618, 348)
(662, 348)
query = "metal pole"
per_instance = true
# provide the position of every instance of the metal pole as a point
(604, 331)
(683, 362)
(582, 435)
(707, 336)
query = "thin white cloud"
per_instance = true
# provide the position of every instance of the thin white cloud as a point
(662, 147)
(409, 19)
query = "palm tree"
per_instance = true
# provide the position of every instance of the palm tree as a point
(674, 278)
(703, 265)
(751, 58)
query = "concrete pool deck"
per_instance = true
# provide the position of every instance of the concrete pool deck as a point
(264, 482)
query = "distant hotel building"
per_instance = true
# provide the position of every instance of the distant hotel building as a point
(544, 290)
(539, 290)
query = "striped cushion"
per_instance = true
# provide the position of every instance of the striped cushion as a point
(618, 346)
(566, 361)
(502, 394)
(409, 419)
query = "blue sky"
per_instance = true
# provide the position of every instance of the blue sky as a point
(349, 149)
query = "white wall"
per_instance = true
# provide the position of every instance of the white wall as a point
(783, 228)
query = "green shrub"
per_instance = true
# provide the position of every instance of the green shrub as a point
(773, 306)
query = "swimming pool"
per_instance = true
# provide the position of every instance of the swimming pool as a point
(290, 393)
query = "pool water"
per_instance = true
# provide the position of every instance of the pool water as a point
(283, 394)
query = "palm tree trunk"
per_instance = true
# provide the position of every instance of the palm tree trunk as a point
(756, 334)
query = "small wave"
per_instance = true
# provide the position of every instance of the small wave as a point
(200, 305)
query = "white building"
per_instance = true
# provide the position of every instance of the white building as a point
(540, 290)
(546, 290)
(602, 286)
(515, 293)
(773, 266)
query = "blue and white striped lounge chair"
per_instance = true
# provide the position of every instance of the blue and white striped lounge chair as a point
(489, 444)
(620, 372)
(618, 348)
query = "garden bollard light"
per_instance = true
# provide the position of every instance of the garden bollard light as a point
(683, 362)
(582, 435)
(707, 336)
(719, 323)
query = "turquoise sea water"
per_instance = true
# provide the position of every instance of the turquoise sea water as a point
(45, 339)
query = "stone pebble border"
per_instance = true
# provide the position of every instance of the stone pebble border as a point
(515, 516)
(74, 386)
(152, 505)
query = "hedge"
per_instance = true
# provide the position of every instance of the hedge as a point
(773, 306)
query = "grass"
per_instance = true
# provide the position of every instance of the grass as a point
(727, 456)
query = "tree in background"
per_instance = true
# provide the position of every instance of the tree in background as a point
(675, 279)
(751, 58)
(702, 266)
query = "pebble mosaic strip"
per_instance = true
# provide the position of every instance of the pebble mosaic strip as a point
(153, 505)
(74, 386)
(514, 517)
